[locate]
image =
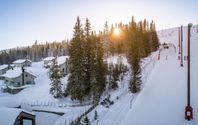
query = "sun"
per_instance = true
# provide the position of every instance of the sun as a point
(116, 32)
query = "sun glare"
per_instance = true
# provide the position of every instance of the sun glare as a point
(116, 31)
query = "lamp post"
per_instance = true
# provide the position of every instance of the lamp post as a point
(188, 110)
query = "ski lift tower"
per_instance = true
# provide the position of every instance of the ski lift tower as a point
(188, 110)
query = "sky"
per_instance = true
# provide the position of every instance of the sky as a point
(22, 22)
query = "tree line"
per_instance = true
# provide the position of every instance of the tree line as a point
(136, 40)
(36, 52)
(87, 50)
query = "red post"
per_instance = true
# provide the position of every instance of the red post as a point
(188, 113)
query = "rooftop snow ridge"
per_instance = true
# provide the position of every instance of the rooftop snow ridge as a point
(3, 66)
(21, 61)
(62, 59)
(16, 72)
(49, 58)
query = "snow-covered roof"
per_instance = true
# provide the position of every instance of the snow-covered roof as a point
(3, 66)
(49, 58)
(62, 59)
(21, 61)
(16, 72)
(9, 115)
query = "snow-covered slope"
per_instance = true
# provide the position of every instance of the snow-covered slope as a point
(163, 100)
(115, 114)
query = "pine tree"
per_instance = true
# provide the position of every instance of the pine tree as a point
(155, 40)
(55, 76)
(134, 56)
(98, 79)
(75, 86)
(88, 57)
(135, 82)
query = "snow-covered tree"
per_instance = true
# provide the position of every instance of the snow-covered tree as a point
(55, 76)
(75, 86)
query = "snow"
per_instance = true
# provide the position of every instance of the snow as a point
(45, 118)
(20, 61)
(9, 115)
(15, 72)
(38, 97)
(71, 114)
(62, 59)
(160, 99)
(49, 58)
(115, 114)
(163, 99)
(3, 66)
(114, 59)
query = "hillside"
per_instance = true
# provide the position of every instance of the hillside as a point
(163, 98)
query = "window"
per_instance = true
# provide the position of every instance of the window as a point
(28, 82)
(18, 122)
(26, 75)
(18, 83)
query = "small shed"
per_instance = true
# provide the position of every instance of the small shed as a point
(22, 63)
(14, 116)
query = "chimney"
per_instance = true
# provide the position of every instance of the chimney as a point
(23, 70)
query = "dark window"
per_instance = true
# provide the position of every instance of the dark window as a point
(28, 82)
(17, 122)
(26, 75)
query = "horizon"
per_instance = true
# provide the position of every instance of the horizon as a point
(24, 22)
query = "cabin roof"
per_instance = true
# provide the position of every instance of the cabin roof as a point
(3, 66)
(21, 61)
(9, 115)
(16, 72)
(49, 58)
(62, 59)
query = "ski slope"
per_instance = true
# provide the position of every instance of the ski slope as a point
(164, 97)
